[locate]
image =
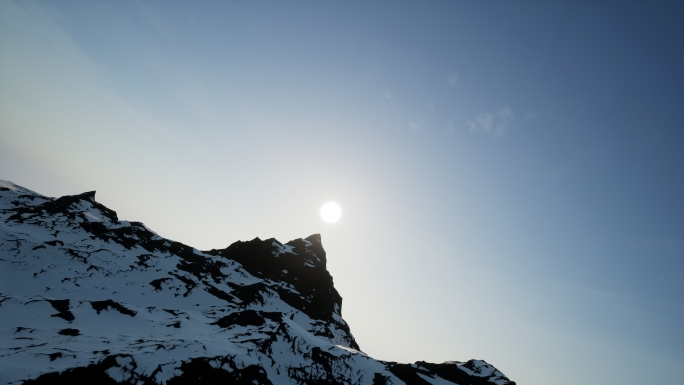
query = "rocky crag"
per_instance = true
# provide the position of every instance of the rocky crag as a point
(88, 298)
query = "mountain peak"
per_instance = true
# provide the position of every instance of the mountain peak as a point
(85, 297)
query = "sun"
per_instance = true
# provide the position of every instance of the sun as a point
(330, 212)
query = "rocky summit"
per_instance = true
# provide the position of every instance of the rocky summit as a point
(86, 298)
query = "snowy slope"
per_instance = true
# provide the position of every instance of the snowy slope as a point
(85, 297)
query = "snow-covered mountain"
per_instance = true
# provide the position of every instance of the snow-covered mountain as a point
(88, 298)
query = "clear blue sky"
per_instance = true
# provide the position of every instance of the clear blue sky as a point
(511, 174)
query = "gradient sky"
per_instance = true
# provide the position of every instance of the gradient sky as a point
(511, 174)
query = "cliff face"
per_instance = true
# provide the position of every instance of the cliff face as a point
(87, 298)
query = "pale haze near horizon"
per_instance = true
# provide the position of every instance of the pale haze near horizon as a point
(511, 174)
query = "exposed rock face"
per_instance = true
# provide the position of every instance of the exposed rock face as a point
(86, 298)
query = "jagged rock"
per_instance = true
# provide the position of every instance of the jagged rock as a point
(135, 308)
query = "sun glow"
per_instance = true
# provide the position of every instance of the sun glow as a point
(331, 212)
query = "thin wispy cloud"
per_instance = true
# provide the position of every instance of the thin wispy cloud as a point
(452, 81)
(492, 122)
(415, 127)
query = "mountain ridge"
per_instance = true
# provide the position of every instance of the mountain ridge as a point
(87, 297)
